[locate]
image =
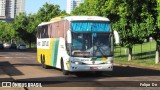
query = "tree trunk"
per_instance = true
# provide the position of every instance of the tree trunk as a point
(130, 54)
(157, 58)
(29, 44)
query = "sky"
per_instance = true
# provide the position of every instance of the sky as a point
(32, 6)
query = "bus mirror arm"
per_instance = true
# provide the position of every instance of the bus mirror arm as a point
(112, 41)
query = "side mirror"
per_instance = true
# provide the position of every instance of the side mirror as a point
(69, 41)
(116, 36)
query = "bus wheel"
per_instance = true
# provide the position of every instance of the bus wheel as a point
(43, 62)
(65, 72)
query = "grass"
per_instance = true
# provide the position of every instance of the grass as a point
(143, 55)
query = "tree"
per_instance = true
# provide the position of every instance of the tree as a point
(26, 25)
(2, 32)
(7, 32)
(48, 11)
(134, 19)
(131, 18)
(10, 31)
(31, 29)
(20, 25)
(156, 33)
(90, 7)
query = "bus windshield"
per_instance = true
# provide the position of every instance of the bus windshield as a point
(91, 44)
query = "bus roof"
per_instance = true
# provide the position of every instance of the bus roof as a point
(45, 23)
(86, 18)
(76, 18)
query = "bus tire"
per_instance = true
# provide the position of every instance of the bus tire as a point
(65, 72)
(43, 62)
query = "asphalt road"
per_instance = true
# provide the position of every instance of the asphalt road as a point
(23, 66)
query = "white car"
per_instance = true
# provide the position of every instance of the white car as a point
(6, 45)
(22, 47)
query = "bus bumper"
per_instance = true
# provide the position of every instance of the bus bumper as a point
(101, 67)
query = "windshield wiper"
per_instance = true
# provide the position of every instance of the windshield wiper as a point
(101, 52)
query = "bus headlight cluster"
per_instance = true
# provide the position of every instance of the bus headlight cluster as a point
(76, 62)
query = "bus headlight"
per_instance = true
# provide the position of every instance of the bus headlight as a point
(76, 62)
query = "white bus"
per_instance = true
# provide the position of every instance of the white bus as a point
(76, 43)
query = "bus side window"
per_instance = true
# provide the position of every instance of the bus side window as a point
(44, 32)
(39, 32)
(49, 30)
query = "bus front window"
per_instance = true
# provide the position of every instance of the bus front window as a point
(101, 45)
(81, 42)
(91, 44)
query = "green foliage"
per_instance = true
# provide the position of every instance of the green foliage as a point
(7, 32)
(24, 26)
(156, 34)
(48, 11)
(91, 8)
(133, 19)
(143, 55)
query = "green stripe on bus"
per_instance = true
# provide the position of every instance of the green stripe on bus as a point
(55, 51)
(96, 59)
(52, 53)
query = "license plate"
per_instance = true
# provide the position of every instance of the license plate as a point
(93, 68)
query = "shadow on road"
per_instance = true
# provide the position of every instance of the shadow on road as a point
(10, 69)
(82, 79)
(86, 79)
(26, 64)
(120, 71)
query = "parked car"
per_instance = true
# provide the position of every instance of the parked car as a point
(13, 46)
(6, 45)
(1, 46)
(22, 47)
